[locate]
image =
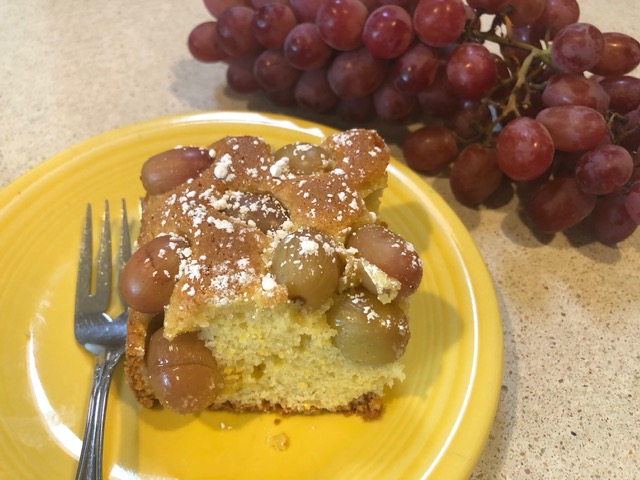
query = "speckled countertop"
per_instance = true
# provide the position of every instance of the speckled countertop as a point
(569, 407)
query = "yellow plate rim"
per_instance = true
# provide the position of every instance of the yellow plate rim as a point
(487, 362)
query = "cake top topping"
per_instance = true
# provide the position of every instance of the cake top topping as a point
(234, 212)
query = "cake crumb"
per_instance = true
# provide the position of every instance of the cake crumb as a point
(278, 441)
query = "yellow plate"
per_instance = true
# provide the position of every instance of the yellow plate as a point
(435, 423)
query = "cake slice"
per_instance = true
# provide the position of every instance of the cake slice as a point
(264, 280)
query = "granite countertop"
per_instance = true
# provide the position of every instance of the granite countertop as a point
(570, 308)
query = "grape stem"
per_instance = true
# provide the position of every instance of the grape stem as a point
(523, 74)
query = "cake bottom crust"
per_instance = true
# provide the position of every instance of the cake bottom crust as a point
(369, 406)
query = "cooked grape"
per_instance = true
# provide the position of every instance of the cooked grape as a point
(472, 71)
(368, 331)
(475, 175)
(524, 149)
(305, 49)
(272, 23)
(304, 158)
(604, 170)
(574, 128)
(439, 22)
(388, 31)
(577, 47)
(149, 276)
(356, 73)
(390, 253)
(341, 22)
(166, 170)
(259, 210)
(307, 264)
(558, 205)
(183, 373)
(429, 149)
(610, 220)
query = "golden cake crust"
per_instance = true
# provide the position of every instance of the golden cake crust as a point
(226, 261)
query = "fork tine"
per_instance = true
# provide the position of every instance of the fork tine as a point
(125, 246)
(83, 285)
(103, 277)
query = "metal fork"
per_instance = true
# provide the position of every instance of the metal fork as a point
(98, 333)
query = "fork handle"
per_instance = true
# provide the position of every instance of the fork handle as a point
(90, 461)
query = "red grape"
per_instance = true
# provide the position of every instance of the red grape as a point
(610, 220)
(240, 77)
(272, 71)
(439, 99)
(632, 201)
(475, 175)
(558, 205)
(415, 69)
(272, 23)
(234, 32)
(569, 89)
(577, 48)
(624, 92)
(313, 92)
(356, 73)
(471, 71)
(341, 22)
(439, 22)
(488, 6)
(574, 128)
(470, 120)
(305, 10)
(204, 45)
(604, 169)
(554, 107)
(357, 110)
(621, 55)
(257, 4)
(429, 149)
(524, 12)
(524, 149)
(522, 34)
(304, 49)
(556, 15)
(388, 31)
(392, 105)
(216, 7)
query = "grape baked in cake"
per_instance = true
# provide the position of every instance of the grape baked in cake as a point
(264, 280)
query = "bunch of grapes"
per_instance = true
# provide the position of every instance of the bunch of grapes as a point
(503, 92)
